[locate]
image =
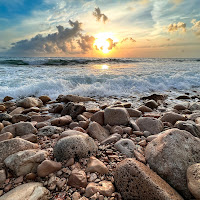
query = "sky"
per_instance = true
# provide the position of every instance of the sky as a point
(100, 28)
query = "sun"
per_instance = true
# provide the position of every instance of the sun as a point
(105, 42)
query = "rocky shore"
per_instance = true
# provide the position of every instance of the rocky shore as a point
(85, 148)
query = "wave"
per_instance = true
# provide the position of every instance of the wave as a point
(14, 62)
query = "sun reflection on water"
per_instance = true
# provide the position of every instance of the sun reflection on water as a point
(104, 67)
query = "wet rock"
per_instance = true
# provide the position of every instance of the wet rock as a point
(135, 180)
(47, 167)
(134, 112)
(29, 102)
(151, 104)
(40, 118)
(45, 99)
(98, 117)
(96, 131)
(112, 138)
(77, 179)
(49, 130)
(154, 126)
(105, 188)
(61, 121)
(9, 147)
(20, 117)
(144, 109)
(5, 116)
(193, 180)
(189, 126)
(31, 191)
(2, 176)
(24, 162)
(73, 110)
(74, 146)
(6, 136)
(126, 146)
(95, 165)
(180, 149)
(116, 116)
(172, 117)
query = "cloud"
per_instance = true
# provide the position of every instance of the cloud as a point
(98, 15)
(176, 1)
(176, 27)
(196, 27)
(128, 38)
(112, 44)
(58, 42)
(86, 42)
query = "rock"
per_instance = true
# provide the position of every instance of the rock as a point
(183, 97)
(5, 116)
(19, 129)
(1, 126)
(112, 138)
(194, 106)
(27, 191)
(189, 126)
(41, 124)
(6, 136)
(133, 112)
(105, 188)
(82, 118)
(194, 116)
(31, 110)
(193, 180)
(126, 146)
(151, 104)
(139, 156)
(56, 108)
(83, 124)
(24, 162)
(152, 137)
(179, 149)
(20, 117)
(180, 107)
(172, 117)
(61, 121)
(95, 165)
(30, 137)
(154, 126)
(96, 131)
(98, 117)
(116, 116)
(75, 146)
(2, 176)
(155, 97)
(2, 108)
(134, 180)
(40, 118)
(117, 129)
(45, 99)
(49, 130)
(76, 196)
(7, 98)
(9, 147)
(70, 133)
(47, 167)
(128, 130)
(73, 98)
(17, 111)
(73, 110)
(134, 125)
(29, 102)
(144, 109)
(77, 179)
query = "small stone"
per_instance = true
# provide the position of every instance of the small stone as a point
(50, 130)
(47, 167)
(76, 196)
(1, 126)
(95, 165)
(144, 109)
(142, 143)
(77, 179)
(6, 136)
(139, 156)
(70, 162)
(45, 99)
(31, 176)
(151, 104)
(134, 112)
(172, 117)
(2, 108)
(117, 129)
(30, 137)
(98, 117)
(180, 107)
(61, 121)
(7, 98)
(112, 138)
(18, 180)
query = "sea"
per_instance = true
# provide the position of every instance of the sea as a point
(97, 77)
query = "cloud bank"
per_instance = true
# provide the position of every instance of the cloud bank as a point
(98, 15)
(196, 27)
(177, 27)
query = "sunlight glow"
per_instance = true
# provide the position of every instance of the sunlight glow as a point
(104, 67)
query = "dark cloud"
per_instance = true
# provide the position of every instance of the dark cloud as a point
(112, 44)
(128, 38)
(98, 15)
(59, 42)
(86, 42)
(177, 27)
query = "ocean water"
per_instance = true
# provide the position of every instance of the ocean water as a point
(99, 77)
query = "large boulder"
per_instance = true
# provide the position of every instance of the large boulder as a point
(134, 180)
(49, 130)
(24, 162)
(20, 129)
(172, 117)
(75, 146)
(73, 110)
(9, 147)
(116, 116)
(193, 179)
(96, 131)
(29, 102)
(154, 126)
(27, 191)
(170, 154)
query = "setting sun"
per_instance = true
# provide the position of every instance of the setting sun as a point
(105, 42)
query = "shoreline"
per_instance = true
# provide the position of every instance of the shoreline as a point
(117, 128)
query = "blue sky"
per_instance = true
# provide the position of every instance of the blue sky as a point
(161, 28)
